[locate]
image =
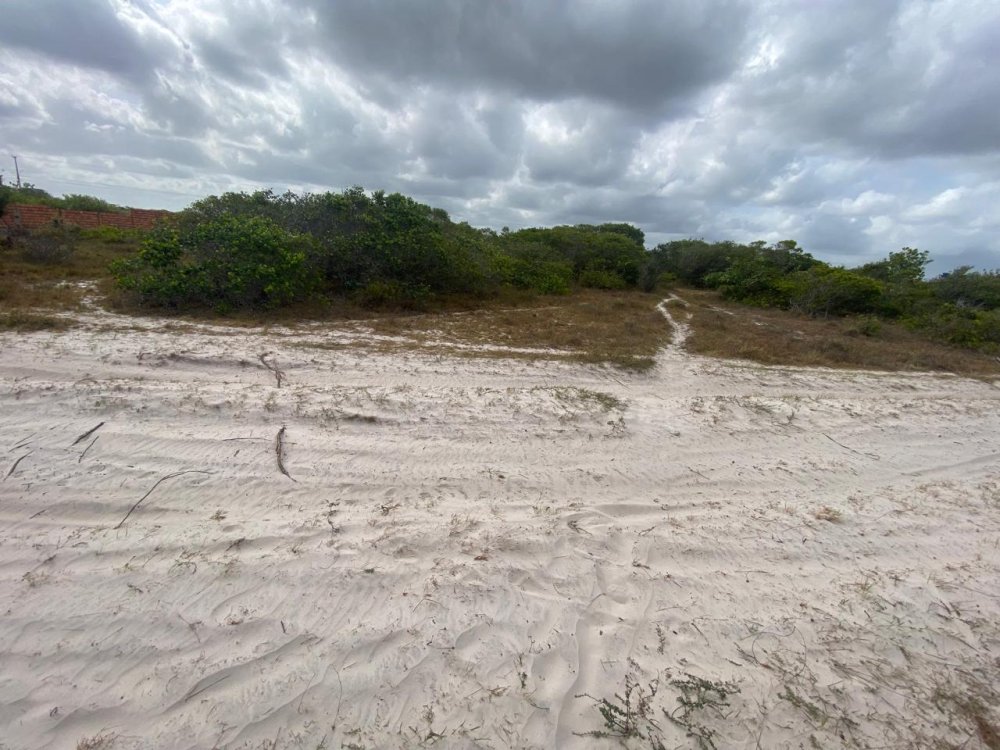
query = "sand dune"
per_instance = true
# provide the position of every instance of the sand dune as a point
(474, 552)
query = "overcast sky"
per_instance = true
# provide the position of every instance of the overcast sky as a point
(855, 127)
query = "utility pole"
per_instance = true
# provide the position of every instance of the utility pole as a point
(17, 171)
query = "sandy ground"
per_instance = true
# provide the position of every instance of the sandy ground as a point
(477, 552)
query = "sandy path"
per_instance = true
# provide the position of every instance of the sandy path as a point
(465, 546)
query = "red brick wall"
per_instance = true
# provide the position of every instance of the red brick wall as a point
(22, 216)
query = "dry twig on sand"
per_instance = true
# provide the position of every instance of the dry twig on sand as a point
(87, 434)
(89, 446)
(279, 452)
(849, 448)
(279, 374)
(158, 483)
(16, 463)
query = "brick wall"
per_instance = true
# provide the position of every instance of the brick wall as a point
(22, 216)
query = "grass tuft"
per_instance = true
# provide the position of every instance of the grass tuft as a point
(20, 320)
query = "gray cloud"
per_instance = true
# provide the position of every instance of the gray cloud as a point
(855, 127)
(641, 54)
(84, 32)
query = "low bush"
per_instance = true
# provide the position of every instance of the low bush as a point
(825, 290)
(53, 245)
(962, 326)
(225, 263)
(109, 234)
(596, 278)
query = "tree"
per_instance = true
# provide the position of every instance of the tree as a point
(903, 267)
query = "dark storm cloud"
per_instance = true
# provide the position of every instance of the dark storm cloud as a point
(88, 33)
(641, 54)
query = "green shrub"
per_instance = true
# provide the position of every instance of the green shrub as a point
(961, 326)
(88, 203)
(392, 294)
(225, 263)
(587, 248)
(751, 281)
(52, 245)
(108, 234)
(967, 288)
(532, 267)
(600, 279)
(825, 290)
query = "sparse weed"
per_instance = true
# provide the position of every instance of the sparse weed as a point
(590, 398)
(826, 513)
(19, 320)
(97, 742)
(618, 427)
(630, 713)
(698, 695)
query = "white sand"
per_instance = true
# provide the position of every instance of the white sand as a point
(465, 546)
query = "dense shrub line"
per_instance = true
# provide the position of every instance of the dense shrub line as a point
(263, 250)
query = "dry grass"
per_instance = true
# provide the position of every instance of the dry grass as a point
(19, 320)
(55, 286)
(619, 328)
(776, 337)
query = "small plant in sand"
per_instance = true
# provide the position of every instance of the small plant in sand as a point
(699, 695)
(97, 742)
(618, 427)
(630, 714)
(831, 515)
(590, 399)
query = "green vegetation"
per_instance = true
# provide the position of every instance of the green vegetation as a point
(261, 250)
(338, 253)
(53, 245)
(30, 195)
(226, 262)
(961, 308)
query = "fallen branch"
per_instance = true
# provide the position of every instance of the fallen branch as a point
(87, 434)
(158, 483)
(15, 464)
(278, 374)
(849, 448)
(279, 452)
(91, 445)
